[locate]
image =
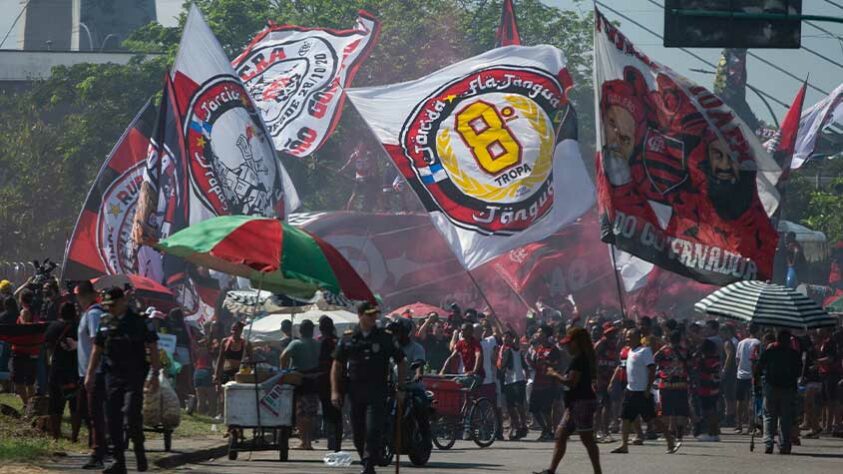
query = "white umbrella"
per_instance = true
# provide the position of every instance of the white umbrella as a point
(268, 328)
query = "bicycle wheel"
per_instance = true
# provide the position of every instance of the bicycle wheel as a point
(483, 422)
(444, 431)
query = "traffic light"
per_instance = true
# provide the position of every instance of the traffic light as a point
(732, 23)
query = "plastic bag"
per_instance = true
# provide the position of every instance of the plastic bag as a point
(161, 407)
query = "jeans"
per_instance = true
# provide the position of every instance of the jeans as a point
(778, 415)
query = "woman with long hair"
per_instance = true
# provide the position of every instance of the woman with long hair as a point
(580, 400)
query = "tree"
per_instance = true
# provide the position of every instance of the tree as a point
(54, 136)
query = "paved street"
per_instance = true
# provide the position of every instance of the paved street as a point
(730, 456)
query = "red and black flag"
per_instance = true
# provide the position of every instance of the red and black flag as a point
(100, 239)
(784, 143)
(507, 34)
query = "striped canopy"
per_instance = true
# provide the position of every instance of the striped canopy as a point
(765, 304)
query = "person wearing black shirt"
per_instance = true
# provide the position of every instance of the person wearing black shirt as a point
(63, 377)
(780, 366)
(580, 399)
(363, 355)
(122, 343)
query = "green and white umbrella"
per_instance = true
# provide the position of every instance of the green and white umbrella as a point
(766, 304)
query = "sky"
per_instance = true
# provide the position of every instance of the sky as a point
(823, 75)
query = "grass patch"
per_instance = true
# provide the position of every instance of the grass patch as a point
(21, 442)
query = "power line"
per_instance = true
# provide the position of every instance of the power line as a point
(834, 3)
(688, 51)
(773, 65)
(14, 23)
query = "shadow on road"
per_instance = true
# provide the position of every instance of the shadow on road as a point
(818, 455)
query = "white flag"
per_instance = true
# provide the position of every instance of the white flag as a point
(490, 147)
(231, 163)
(823, 115)
(297, 77)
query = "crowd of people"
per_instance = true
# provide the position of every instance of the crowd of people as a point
(556, 372)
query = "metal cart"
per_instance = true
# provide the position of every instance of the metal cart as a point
(267, 409)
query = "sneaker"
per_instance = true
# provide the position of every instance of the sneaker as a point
(674, 448)
(738, 430)
(93, 464)
(116, 468)
(638, 442)
(620, 450)
(607, 439)
(768, 450)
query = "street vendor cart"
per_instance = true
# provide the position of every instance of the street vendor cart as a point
(265, 408)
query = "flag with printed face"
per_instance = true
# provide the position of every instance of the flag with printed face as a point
(490, 147)
(682, 181)
(101, 242)
(297, 78)
(231, 163)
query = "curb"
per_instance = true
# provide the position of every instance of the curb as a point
(199, 455)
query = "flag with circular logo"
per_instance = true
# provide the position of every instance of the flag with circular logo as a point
(231, 161)
(297, 77)
(490, 147)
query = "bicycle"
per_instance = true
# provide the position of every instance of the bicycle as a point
(456, 407)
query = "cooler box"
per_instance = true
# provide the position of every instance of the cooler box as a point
(275, 401)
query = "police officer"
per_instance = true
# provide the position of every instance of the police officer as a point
(122, 342)
(364, 354)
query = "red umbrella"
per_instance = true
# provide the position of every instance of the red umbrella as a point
(420, 310)
(146, 290)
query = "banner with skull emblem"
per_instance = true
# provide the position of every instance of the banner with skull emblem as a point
(490, 147)
(297, 77)
(231, 161)
(682, 181)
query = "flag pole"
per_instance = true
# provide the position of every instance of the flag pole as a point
(617, 281)
(482, 294)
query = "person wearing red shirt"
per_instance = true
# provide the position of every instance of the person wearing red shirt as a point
(545, 355)
(470, 352)
(672, 372)
(25, 357)
(708, 389)
(829, 367)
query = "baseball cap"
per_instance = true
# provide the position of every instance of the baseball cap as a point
(111, 295)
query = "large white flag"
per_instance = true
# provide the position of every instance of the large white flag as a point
(297, 77)
(231, 163)
(822, 116)
(490, 147)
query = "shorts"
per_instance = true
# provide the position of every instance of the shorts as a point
(542, 398)
(728, 387)
(202, 378)
(24, 369)
(743, 390)
(516, 394)
(307, 405)
(674, 402)
(579, 416)
(637, 404)
(709, 403)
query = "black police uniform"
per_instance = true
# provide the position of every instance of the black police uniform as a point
(123, 340)
(367, 361)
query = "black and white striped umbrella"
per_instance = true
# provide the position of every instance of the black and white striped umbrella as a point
(766, 304)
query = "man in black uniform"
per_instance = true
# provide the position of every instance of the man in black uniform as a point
(363, 355)
(122, 342)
